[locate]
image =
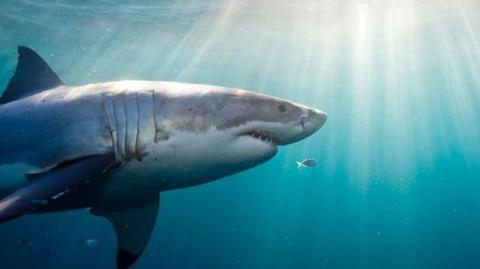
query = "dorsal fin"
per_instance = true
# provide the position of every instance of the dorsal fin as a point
(32, 75)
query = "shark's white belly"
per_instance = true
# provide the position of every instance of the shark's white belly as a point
(177, 162)
(185, 159)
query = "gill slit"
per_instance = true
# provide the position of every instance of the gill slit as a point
(109, 112)
(155, 123)
(137, 136)
(125, 137)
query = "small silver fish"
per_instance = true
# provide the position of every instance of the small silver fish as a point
(91, 243)
(306, 163)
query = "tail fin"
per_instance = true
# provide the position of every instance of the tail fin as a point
(300, 164)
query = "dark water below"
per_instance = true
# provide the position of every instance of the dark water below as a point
(397, 184)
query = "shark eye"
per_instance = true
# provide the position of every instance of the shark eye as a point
(282, 108)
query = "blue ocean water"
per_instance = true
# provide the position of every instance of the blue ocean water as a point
(397, 184)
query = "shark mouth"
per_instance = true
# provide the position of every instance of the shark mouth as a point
(263, 136)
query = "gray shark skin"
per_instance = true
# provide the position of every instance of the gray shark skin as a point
(113, 147)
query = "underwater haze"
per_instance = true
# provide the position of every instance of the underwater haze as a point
(397, 184)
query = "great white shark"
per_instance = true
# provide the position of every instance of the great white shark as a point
(113, 147)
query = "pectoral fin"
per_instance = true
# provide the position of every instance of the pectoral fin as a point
(133, 228)
(53, 184)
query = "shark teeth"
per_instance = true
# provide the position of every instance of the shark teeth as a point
(263, 136)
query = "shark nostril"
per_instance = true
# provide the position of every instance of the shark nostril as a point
(317, 115)
(322, 117)
(303, 121)
(312, 120)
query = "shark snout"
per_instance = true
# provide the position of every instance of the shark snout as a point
(309, 122)
(312, 120)
(317, 118)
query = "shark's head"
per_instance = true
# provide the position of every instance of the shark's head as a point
(258, 124)
(217, 131)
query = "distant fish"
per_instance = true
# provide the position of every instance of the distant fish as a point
(26, 244)
(306, 163)
(91, 243)
(30, 246)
